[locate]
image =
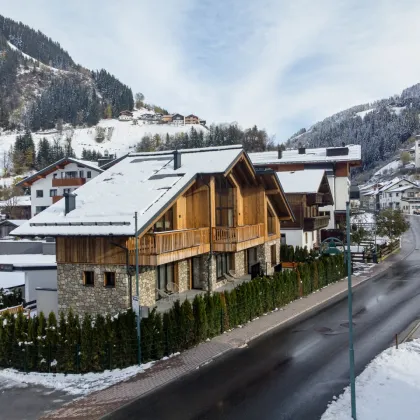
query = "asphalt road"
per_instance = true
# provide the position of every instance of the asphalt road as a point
(293, 373)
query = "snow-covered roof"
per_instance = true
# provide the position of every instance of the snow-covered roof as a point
(17, 201)
(307, 181)
(28, 260)
(146, 183)
(405, 187)
(53, 167)
(10, 279)
(310, 156)
(396, 181)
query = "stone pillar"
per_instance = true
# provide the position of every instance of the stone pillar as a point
(264, 256)
(239, 264)
(147, 286)
(208, 272)
(183, 275)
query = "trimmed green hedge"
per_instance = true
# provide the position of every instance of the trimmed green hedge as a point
(98, 343)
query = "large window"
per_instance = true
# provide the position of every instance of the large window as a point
(222, 265)
(165, 222)
(224, 203)
(165, 275)
(271, 222)
(39, 193)
(53, 193)
(273, 252)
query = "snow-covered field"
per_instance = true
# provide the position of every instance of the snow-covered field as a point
(388, 389)
(362, 114)
(120, 136)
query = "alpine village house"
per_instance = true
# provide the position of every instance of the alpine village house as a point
(306, 191)
(202, 215)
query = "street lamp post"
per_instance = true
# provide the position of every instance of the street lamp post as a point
(350, 307)
(138, 312)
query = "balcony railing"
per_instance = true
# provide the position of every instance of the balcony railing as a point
(237, 234)
(174, 240)
(315, 223)
(68, 182)
(56, 198)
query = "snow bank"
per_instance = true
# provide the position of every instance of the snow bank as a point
(72, 384)
(388, 388)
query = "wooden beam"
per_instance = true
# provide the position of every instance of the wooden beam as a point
(272, 192)
(213, 201)
(239, 204)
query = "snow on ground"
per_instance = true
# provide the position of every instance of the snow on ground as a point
(72, 383)
(397, 109)
(362, 114)
(387, 389)
(121, 137)
(390, 167)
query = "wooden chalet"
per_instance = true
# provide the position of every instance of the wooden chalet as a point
(204, 215)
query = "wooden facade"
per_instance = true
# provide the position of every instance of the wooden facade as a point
(224, 212)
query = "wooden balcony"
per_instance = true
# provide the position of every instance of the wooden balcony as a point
(234, 239)
(68, 182)
(57, 198)
(315, 223)
(164, 247)
(316, 198)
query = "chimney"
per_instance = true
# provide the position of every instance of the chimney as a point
(69, 203)
(302, 150)
(279, 153)
(177, 160)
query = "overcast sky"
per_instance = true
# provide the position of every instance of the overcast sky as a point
(280, 64)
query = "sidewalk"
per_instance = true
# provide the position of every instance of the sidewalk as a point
(104, 402)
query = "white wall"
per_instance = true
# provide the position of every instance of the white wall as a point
(45, 184)
(341, 192)
(417, 153)
(39, 278)
(297, 237)
(46, 301)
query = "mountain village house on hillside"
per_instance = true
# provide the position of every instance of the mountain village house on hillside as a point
(173, 119)
(306, 191)
(204, 215)
(336, 161)
(392, 194)
(62, 177)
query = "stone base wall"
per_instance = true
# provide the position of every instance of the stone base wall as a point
(72, 293)
(264, 255)
(239, 264)
(183, 275)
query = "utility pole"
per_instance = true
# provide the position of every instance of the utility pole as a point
(350, 305)
(138, 311)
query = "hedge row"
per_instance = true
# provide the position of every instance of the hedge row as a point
(69, 345)
(9, 299)
(289, 253)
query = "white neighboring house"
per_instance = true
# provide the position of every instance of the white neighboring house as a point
(305, 191)
(62, 177)
(411, 203)
(28, 271)
(336, 161)
(391, 194)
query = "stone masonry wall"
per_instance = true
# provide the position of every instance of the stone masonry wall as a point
(72, 293)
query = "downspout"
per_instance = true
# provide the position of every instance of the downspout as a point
(209, 259)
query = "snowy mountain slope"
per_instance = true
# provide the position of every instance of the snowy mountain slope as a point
(120, 136)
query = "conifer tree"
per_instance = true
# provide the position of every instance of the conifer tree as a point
(41, 337)
(187, 324)
(32, 347)
(86, 344)
(200, 319)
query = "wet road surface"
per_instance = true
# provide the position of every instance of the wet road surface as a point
(293, 373)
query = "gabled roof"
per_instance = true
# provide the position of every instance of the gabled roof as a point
(310, 156)
(146, 183)
(54, 166)
(301, 182)
(394, 182)
(191, 116)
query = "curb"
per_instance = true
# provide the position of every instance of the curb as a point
(409, 331)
